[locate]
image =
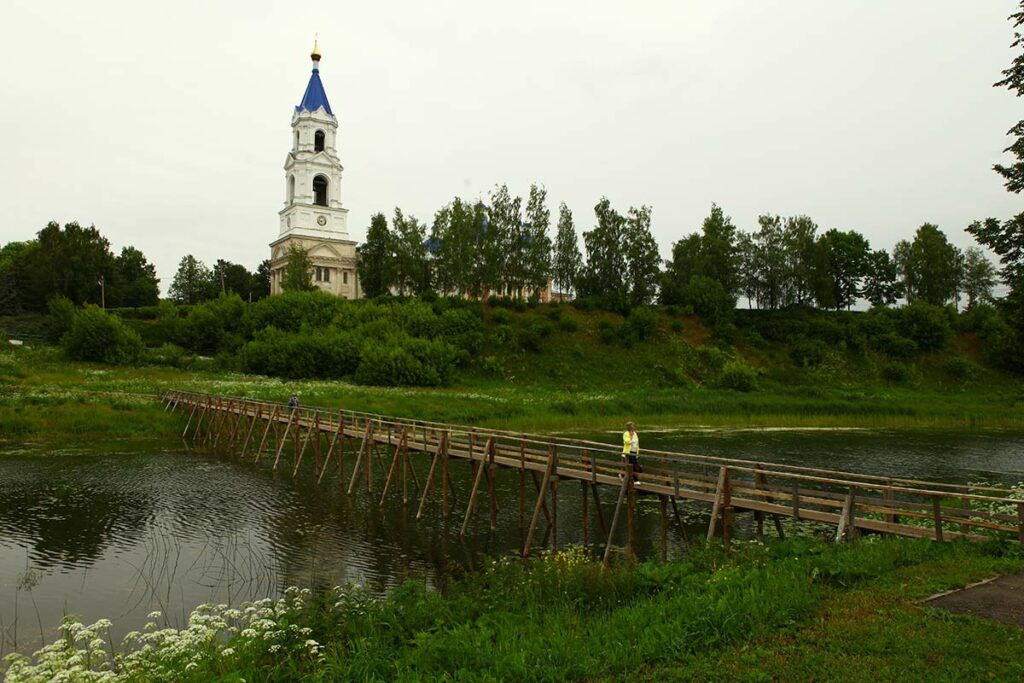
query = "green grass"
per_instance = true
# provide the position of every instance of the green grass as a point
(42, 395)
(800, 610)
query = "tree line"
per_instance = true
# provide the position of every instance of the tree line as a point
(475, 249)
(77, 263)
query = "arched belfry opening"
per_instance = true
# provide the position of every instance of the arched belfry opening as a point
(318, 141)
(291, 189)
(320, 190)
(296, 141)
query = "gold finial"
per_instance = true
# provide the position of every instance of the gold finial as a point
(315, 54)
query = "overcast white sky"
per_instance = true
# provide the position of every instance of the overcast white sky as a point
(166, 125)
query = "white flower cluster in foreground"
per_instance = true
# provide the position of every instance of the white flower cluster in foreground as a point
(85, 653)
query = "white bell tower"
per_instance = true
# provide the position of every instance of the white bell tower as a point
(313, 217)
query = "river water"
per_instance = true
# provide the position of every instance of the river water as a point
(121, 529)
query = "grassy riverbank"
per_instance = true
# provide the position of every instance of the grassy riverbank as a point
(794, 611)
(43, 395)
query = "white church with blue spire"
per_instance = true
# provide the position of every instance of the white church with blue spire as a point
(313, 217)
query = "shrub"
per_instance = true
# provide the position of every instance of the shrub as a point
(583, 304)
(676, 325)
(709, 299)
(492, 365)
(568, 324)
(554, 312)
(738, 376)
(725, 333)
(808, 353)
(217, 325)
(325, 354)
(895, 372)
(62, 316)
(291, 311)
(507, 336)
(411, 362)
(643, 322)
(895, 346)
(926, 324)
(168, 354)
(96, 335)
(978, 318)
(960, 369)
(462, 327)
(532, 333)
(711, 358)
(168, 323)
(501, 316)
(755, 339)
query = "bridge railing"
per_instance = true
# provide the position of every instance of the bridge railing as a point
(849, 500)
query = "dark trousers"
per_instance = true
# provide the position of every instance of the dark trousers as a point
(634, 460)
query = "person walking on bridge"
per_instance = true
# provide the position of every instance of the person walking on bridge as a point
(293, 402)
(631, 450)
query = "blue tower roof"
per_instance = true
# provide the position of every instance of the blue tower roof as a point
(315, 97)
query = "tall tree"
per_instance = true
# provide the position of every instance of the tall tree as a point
(1006, 238)
(605, 273)
(72, 262)
(770, 263)
(411, 270)
(643, 262)
(193, 282)
(537, 247)
(712, 254)
(979, 277)
(719, 258)
(260, 287)
(746, 249)
(376, 258)
(929, 266)
(231, 277)
(298, 271)
(881, 279)
(845, 263)
(680, 269)
(802, 270)
(1013, 80)
(12, 266)
(135, 282)
(567, 262)
(505, 249)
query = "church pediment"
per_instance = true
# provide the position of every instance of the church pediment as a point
(325, 250)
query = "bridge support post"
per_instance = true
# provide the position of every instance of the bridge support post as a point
(338, 432)
(721, 500)
(585, 507)
(394, 466)
(664, 526)
(492, 476)
(195, 406)
(445, 481)
(553, 454)
(252, 425)
(359, 458)
(542, 490)
(627, 479)
(845, 518)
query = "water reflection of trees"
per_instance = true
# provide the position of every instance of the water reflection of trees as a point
(69, 513)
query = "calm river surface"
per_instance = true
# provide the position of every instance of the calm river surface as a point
(126, 528)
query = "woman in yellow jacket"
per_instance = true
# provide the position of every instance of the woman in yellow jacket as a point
(631, 449)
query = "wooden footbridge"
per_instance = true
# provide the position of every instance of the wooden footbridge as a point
(852, 502)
